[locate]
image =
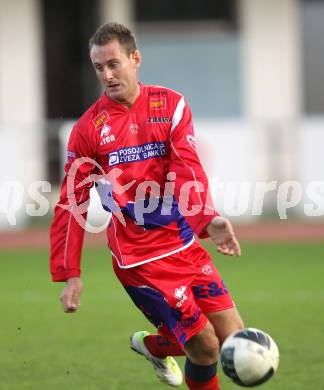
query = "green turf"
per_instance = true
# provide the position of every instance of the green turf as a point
(277, 287)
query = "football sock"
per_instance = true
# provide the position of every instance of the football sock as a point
(161, 347)
(201, 377)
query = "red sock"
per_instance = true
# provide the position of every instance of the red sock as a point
(161, 346)
(212, 384)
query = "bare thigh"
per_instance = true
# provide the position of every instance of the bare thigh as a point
(225, 322)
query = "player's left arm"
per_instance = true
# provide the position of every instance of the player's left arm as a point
(222, 234)
(192, 187)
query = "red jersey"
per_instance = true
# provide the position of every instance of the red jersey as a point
(144, 164)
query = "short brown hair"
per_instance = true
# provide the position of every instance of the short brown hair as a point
(110, 31)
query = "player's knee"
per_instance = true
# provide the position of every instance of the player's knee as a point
(203, 348)
(239, 324)
(225, 323)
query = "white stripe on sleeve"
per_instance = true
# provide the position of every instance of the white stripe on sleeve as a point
(177, 116)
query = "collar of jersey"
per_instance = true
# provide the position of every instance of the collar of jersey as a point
(122, 107)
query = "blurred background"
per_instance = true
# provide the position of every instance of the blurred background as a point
(251, 70)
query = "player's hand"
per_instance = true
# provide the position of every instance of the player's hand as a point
(70, 297)
(222, 234)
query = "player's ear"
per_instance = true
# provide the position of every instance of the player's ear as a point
(137, 58)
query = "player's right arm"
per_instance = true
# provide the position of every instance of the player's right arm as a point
(70, 297)
(67, 229)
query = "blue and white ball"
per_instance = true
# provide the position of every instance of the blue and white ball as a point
(249, 357)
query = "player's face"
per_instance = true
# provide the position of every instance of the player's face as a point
(117, 71)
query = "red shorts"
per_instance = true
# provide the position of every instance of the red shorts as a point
(176, 292)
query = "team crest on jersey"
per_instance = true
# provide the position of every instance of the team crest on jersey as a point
(133, 127)
(207, 270)
(158, 103)
(100, 119)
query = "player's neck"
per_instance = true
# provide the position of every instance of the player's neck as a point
(131, 98)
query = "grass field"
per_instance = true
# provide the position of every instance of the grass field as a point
(277, 287)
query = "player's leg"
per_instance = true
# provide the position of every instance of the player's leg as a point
(225, 322)
(214, 299)
(163, 344)
(166, 368)
(153, 304)
(202, 348)
(202, 351)
(212, 296)
(161, 290)
(222, 324)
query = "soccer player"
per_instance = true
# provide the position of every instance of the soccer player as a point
(136, 144)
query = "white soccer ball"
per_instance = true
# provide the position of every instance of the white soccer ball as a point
(249, 357)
